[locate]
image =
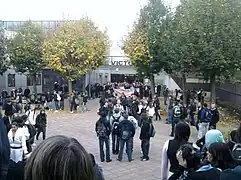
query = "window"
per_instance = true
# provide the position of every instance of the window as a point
(11, 80)
(30, 80)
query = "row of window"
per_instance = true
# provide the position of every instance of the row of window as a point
(12, 80)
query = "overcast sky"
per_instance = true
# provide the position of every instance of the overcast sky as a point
(116, 15)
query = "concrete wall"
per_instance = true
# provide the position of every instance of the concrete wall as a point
(20, 81)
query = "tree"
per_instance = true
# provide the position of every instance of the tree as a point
(214, 37)
(25, 50)
(149, 57)
(3, 52)
(76, 48)
(180, 46)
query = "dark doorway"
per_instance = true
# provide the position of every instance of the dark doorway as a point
(130, 78)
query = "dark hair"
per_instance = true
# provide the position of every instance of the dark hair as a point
(221, 155)
(92, 157)
(205, 105)
(182, 132)
(191, 156)
(59, 158)
(117, 110)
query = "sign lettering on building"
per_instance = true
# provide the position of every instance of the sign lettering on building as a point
(120, 63)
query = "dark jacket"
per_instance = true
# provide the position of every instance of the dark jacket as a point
(16, 170)
(215, 116)
(145, 131)
(9, 109)
(106, 124)
(41, 120)
(4, 149)
(128, 124)
(231, 174)
(211, 174)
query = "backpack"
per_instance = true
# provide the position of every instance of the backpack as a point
(236, 152)
(126, 134)
(208, 115)
(115, 125)
(177, 112)
(101, 130)
(152, 131)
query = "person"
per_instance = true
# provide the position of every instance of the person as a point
(57, 99)
(103, 130)
(188, 159)
(170, 110)
(176, 116)
(85, 100)
(9, 110)
(65, 157)
(127, 132)
(170, 148)
(133, 120)
(73, 100)
(214, 116)
(115, 121)
(17, 142)
(4, 150)
(220, 156)
(31, 122)
(192, 110)
(41, 122)
(145, 138)
(156, 105)
(98, 172)
(151, 111)
(205, 120)
(165, 94)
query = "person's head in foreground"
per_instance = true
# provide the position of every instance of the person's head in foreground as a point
(182, 132)
(59, 158)
(188, 158)
(220, 156)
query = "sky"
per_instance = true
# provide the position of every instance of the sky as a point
(115, 15)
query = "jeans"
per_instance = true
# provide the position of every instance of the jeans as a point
(174, 123)
(41, 130)
(129, 145)
(105, 141)
(72, 106)
(84, 107)
(56, 105)
(165, 100)
(203, 129)
(169, 116)
(115, 143)
(191, 119)
(157, 114)
(145, 146)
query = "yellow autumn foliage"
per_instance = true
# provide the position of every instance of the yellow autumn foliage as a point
(136, 48)
(76, 48)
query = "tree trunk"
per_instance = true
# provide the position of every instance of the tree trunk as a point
(34, 83)
(89, 87)
(152, 86)
(213, 88)
(184, 89)
(70, 86)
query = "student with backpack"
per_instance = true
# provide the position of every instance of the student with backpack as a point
(206, 116)
(176, 116)
(147, 131)
(127, 132)
(103, 130)
(115, 121)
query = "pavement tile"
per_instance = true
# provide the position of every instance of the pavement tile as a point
(82, 127)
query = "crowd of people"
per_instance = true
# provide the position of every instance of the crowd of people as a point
(121, 118)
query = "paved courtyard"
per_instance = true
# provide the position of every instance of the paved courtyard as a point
(82, 127)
